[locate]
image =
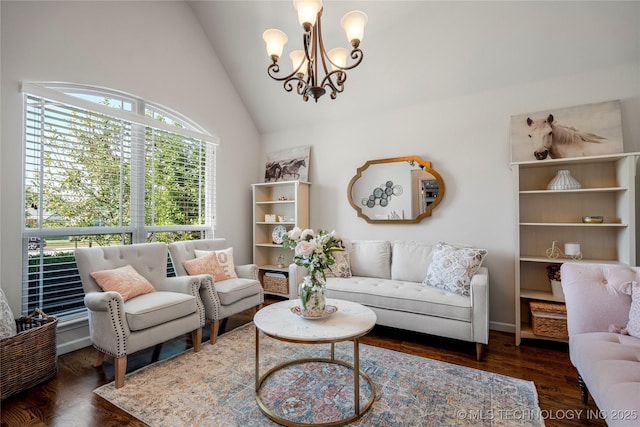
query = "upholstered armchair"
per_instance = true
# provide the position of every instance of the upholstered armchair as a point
(226, 295)
(603, 321)
(132, 304)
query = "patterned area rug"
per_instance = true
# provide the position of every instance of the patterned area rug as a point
(215, 387)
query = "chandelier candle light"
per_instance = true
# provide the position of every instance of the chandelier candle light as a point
(308, 63)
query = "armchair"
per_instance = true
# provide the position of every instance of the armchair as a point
(119, 326)
(602, 347)
(221, 298)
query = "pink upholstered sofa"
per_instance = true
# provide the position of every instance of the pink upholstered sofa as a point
(599, 300)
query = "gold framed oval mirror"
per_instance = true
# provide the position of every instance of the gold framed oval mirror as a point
(395, 190)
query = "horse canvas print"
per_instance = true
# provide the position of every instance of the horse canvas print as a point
(287, 165)
(585, 130)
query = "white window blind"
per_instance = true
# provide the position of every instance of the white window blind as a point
(96, 173)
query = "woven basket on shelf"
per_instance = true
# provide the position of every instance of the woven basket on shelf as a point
(549, 319)
(29, 357)
(278, 285)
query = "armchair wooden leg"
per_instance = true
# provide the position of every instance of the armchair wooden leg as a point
(155, 356)
(120, 368)
(215, 327)
(196, 337)
(99, 359)
(480, 351)
(223, 325)
(584, 391)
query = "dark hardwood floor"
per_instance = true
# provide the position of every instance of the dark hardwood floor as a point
(68, 400)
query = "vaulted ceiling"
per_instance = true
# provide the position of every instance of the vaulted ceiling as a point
(419, 51)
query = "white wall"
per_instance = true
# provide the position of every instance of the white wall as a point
(467, 141)
(155, 50)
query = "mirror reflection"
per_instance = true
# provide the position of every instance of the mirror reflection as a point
(395, 190)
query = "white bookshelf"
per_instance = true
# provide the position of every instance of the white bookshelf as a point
(608, 188)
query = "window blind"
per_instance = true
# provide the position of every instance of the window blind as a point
(94, 176)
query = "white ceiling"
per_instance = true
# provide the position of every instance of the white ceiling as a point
(419, 51)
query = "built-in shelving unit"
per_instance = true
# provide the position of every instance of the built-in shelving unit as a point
(288, 201)
(608, 188)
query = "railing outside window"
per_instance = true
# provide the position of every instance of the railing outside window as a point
(105, 168)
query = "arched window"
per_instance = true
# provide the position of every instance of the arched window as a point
(104, 167)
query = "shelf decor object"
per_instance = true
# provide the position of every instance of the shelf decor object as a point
(564, 181)
(314, 59)
(572, 250)
(592, 219)
(608, 189)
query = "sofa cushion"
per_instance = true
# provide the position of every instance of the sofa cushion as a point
(341, 267)
(232, 290)
(608, 364)
(452, 268)
(207, 264)
(370, 258)
(608, 284)
(225, 258)
(400, 296)
(157, 308)
(410, 260)
(124, 280)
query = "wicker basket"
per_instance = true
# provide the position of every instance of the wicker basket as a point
(278, 285)
(549, 319)
(29, 357)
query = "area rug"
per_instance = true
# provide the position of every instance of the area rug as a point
(215, 387)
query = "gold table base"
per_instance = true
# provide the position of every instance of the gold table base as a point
(356, 384)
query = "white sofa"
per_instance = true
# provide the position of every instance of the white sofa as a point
(598, 299)
(387, 277)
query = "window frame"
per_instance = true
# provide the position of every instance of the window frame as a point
(138, 231)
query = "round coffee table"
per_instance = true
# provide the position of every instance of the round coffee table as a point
(350, 322)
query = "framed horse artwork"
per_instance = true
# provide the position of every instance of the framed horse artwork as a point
(581, 131)
(288, 165)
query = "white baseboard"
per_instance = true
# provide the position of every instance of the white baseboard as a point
(68, 347)
(503, 327)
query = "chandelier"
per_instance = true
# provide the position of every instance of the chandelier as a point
(314, 59)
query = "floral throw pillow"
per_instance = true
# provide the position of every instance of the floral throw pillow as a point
(206, 265)
(342, 266)
(124, 280)
(7, 321)
(452, 268)
(225, 259)
(633, 327)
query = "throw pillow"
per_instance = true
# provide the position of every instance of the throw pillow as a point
(633, 327)
(452, 268)
(410, 260)
(206, 265)
(225, 259)
(124, 280)
(342, 267)
(7, 321)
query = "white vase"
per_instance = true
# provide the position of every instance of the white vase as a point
(312, 297)
(556, 289)
(563, 181)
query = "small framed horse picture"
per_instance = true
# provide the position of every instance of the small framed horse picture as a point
(585, 130)
(288, 165)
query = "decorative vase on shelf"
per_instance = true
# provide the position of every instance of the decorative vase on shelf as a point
(312, 296)
(563, 181)
(556, 289)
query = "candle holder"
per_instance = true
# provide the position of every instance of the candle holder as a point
(554, 251)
